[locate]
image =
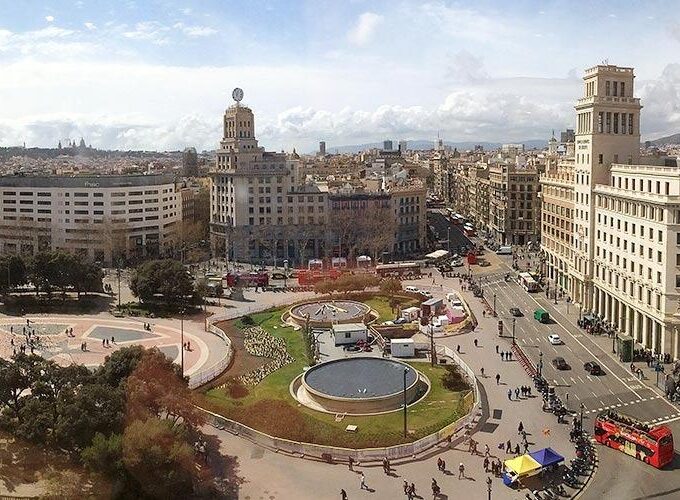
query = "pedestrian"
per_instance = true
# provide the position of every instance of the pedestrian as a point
(475, 341)
(516, 393)
(350, 463)
(486, 465)
(439, 463)
(461, 471)
(510, 355)
(526, 447)
(443, 465)
(496, 349)
(484, 313)
(510, 394)
(386, 468)
(487, 451)
(343, 495)
(362, 481)
(412, 489)
(520, 427)
(517, 449)
(405, 487)
(482, 370)
(502, 355)
(103, 342)
(508, 446)
(498, 378)
(458, 348)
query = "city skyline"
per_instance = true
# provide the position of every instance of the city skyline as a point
(158, 75)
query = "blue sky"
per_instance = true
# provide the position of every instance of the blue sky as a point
(158, 74)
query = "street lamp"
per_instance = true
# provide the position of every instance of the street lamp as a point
(181, 322)
(432, 351)
(513, 330)
(540, 363)
(613, 342)
(580, 425)
(448, 238)
(118, 271)
(405, 431)
(488, 486)
(494, 304)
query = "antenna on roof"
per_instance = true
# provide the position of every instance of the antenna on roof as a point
(606, 62)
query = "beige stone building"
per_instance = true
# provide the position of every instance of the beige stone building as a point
(624, 262)
(514, 206)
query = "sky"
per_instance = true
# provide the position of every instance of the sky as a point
(158, 74)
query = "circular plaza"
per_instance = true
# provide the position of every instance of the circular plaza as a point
(325, 313)
(360, 386)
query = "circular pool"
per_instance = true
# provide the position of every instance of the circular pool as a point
(361, 385)
(325, 313)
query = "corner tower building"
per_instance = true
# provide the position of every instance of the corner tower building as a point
(607, 131)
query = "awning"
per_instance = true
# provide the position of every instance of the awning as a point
(522, 464)
(437, 254)
(546, 457)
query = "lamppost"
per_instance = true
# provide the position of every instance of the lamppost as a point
(494, 304)
(118, 272)
(432, 351)
(448, 238)
(613, 342)
(540, 363)
(181, 322)
(580, 425)
(555, 294)
(579, 312)
(513, 330)
(405, 430)
(488, 486)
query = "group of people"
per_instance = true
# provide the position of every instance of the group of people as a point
(107, 343)
(30, 343)
(523, 390)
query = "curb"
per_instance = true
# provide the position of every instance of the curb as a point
(596, 466)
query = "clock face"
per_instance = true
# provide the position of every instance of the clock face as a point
(237, 94)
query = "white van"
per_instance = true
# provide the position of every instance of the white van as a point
(506, 250)
(412, 289)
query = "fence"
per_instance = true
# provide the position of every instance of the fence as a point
(409, 450)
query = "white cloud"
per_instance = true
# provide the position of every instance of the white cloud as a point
(149, 31)
(90, 26)
(49, 19)
(364, 30)
(195, 31)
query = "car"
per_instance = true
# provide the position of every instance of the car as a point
(560, 364)
(457, 263)
(484, 263)
(278, 276)
(400, 321)
(592, 368)
(426, 293)
(413, 289)
(515, 312)
(554, 339)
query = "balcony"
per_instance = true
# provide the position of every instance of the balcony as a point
(584, 101)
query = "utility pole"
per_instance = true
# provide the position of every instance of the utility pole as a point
(405, 428)
(494, 304)
(513, 330)
(181, 322)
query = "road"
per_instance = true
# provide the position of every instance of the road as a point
(445, 229)
(619, 475)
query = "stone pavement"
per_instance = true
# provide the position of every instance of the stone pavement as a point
(271, 475)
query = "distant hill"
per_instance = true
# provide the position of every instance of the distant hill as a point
(425, 145)
(669, 139)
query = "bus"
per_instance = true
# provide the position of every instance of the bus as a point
(527, 281)
(398, 269)
(650, 444)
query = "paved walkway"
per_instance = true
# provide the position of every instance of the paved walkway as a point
(275, 476)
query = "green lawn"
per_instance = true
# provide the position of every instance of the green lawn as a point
(269, 404)
(382, 305)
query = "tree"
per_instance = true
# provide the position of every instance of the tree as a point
(105, 454)
(390, 286)
(166, 280)
(13, 272)
(159, 457)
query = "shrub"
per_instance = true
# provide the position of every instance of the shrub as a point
(453, 380)
(247, 320)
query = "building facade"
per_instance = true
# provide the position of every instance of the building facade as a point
(101, 218)
(624, 262)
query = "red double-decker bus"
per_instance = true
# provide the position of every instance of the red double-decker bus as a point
(651, 444)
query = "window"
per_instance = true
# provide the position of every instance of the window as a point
(607, 88)
(609, 123)
(80, 195)
(623, 89)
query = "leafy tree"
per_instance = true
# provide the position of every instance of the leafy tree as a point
(63, 271)
(105, 454)
(13, 272)
(390, 286)
(159, 457)
(120, 365)
(164, 279)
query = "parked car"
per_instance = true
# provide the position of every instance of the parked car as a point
(484, 263)
(425, 293)
(592, 368)
(560, 364)
(400, 321)
(554, 339)
(413, 289)
(515, 312)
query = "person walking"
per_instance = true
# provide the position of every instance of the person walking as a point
(439, 463)
(461, 471)
(502, 355)
(497, 349)
(498, 378)
(406, 488)
(510, 394)
(487, 451)
(520, 427)
(362, 482)
(458, 348)
(475, 342)
(343, 495)
(486, 465)
(350, 463)
(516, 393)
(508, 447)
(482, 371)
(526, 447)
(517, 449)
(412, 490)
